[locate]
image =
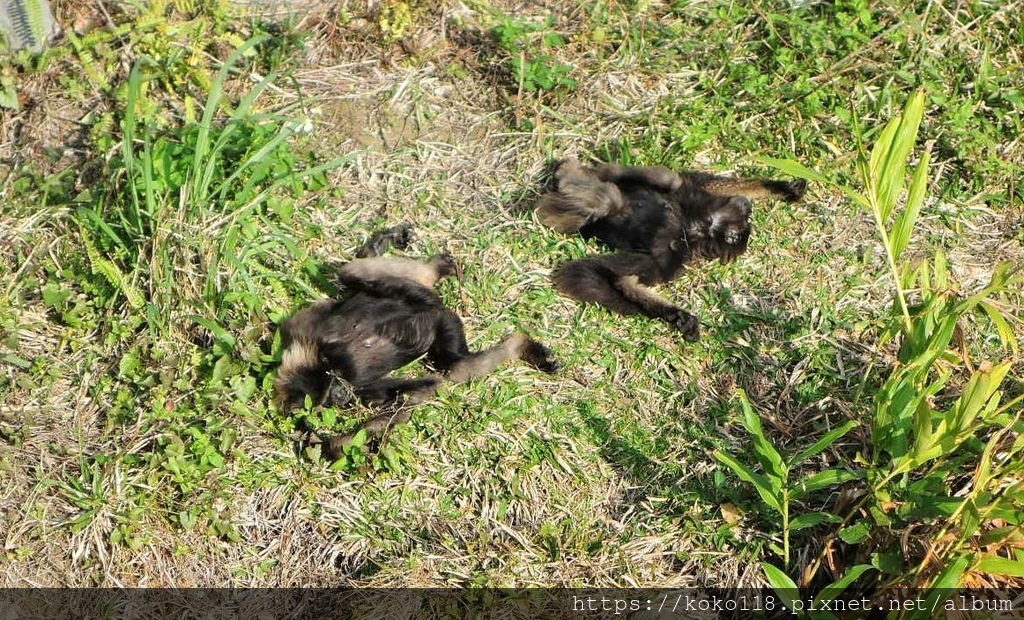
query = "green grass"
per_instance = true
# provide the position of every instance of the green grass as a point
(164, 210)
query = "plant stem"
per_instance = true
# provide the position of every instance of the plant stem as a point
(880, 225)
(785, 528)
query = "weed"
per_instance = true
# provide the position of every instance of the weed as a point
(774, 486)
(152, 248)
(919, 448)
(533, 67)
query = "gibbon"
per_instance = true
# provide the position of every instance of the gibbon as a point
(659, 220)
(388, 314)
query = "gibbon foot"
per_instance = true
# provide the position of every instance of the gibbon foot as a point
(794, 190)
(686, 323)
(537, 355)
(399, 237)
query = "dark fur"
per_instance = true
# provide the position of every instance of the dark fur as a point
(337, 350)
(659, 220)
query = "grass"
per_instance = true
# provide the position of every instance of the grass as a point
(158, 226)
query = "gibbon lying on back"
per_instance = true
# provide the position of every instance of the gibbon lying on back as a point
(342, 349)
(659, 220)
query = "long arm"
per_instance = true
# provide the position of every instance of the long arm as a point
(449, 354)
(615, 282)
(753, 189)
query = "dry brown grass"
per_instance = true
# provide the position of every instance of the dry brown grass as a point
(463, 154)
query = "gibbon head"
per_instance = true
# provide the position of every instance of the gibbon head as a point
(729, 229)
(305, 372)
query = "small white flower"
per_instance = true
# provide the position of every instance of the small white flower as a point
(303, 126)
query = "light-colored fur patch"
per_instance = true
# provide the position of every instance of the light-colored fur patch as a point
(579, 200)
(634, 291)
(485, 362)
(297, 356)
(750, 188)
(372, 268)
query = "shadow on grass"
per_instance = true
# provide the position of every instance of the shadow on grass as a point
(801, 380)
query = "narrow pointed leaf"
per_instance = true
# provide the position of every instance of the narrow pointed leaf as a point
(835, 588)
(826, 440)
(942, 587)
(761, 483)
(880, 151)
(903, 227)
(981, 388)
(1006, 334)
(782, 584)
(823, 480)
(794, 168)
(770, 459)
(892, 175)
(810, 519)
(996, 565)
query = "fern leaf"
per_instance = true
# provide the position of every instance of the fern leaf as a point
(105, 267)
(27, 24)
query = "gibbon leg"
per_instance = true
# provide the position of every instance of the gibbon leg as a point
(591, 280)
(397, 395)
(395, 391)
(615, 282)
(518, 346)
(407, 392)
(382, 271)
(790, 191)
(449, 345)
(580, 199)
(658, 177)
(451, 353)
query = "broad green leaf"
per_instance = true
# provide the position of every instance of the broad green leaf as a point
(890, 561)
(879, 153)
(856, 533)
(924, 438)
(824, 480)
(833, 589)
(794, 168)
(1002, 535)
(761, 483)
(983, 472)
(359, 439)
(826, 440)
(391, 460)
(770, 459)
(894, 164)
(782, 584)
(941, 270)
(941, 588)
(996, 565)
(949, 578)
(329, 417)
(970, 517)
(1006, 334)
(982, 387)
(810, 519)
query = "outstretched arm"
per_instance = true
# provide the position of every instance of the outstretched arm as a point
(615, 281)
(403, 278)
(790, 191)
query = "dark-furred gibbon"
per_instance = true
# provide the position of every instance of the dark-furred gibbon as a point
(387, 315)
(659, 220)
